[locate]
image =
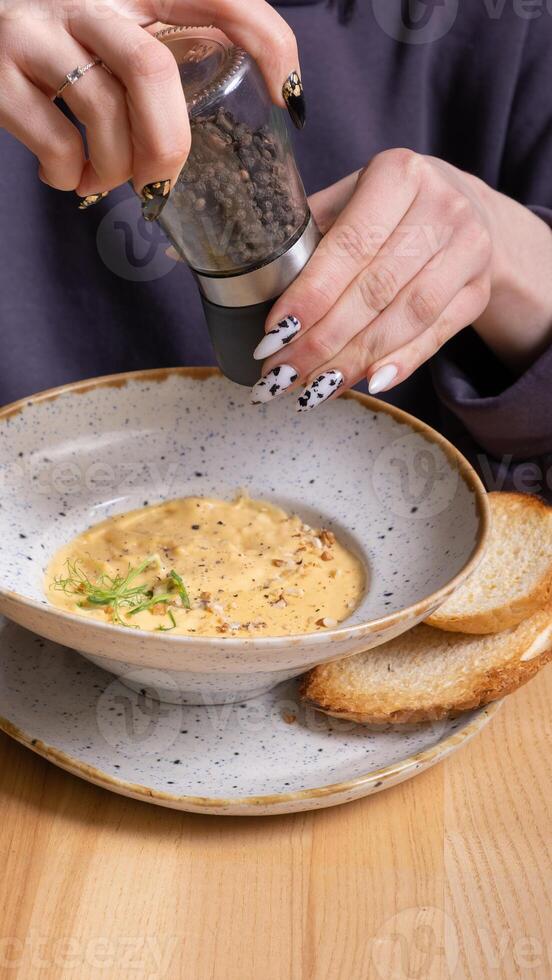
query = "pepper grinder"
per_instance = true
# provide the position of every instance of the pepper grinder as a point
(238, 213)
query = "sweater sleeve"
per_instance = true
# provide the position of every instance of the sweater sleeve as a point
(504, 427)
(510, 418)
(516, 420)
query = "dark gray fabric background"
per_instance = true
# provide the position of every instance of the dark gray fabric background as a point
(89, 293)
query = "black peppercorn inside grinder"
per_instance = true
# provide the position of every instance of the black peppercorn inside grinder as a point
(238, 213)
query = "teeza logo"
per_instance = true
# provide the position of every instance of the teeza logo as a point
(415, 21)
(148, 232)
(130, 247)
(133, 719)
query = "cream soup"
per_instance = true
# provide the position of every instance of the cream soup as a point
(208, 567)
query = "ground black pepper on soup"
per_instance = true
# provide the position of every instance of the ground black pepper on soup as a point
(208, 567)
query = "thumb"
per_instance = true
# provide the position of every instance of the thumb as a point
(327, 205)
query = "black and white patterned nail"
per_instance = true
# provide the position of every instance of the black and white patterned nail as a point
(322, 388)
(273, 383)
(278, 337)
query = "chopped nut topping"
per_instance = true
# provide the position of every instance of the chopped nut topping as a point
(233, 567)
(288, 717)
(215, 607)
(291, 590)
(159, 609)
(255, 626)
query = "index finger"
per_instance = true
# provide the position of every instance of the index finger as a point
(385, 191)
(254, 25)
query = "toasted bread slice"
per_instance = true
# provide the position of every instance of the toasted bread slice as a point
(427, 674)
(514, 578)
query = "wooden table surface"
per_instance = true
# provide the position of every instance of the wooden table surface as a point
(446, 876)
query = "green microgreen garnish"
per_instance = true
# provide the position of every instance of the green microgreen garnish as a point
(117, 593)
(152, 600)
(181, 589)
(165, 629)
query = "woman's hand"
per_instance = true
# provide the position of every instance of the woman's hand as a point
(134, 114)
(414, 250)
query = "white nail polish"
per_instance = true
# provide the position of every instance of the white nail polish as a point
(280, 335)
(382, 378)
(273, 383)
(319, 390)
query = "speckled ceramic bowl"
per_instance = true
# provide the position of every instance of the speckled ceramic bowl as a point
(393, 490)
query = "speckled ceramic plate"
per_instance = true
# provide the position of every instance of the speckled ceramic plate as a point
(269, 755)
(395, 492)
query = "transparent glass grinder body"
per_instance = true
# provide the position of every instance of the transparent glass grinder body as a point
(238, 213)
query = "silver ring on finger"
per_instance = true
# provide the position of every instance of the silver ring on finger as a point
(72, 77)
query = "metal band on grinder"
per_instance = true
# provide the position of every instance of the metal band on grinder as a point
(265, 283)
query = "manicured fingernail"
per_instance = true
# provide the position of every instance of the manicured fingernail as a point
(294, 97)
(87, 202)
(382, 378)
(154, 198)
(319, 390)
(278, 337)
(273, 383)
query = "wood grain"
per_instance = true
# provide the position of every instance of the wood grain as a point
(446, 876)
